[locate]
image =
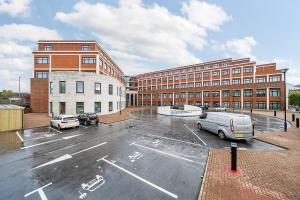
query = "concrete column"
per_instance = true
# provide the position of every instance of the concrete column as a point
(97, 64)
(268, 98)
(173, 99)
(254, 72)
(220, 98)
(134, 95)
(79, 62)
(151, 98)
(50, 63)
(142, 99)
(129, 99)
(186, 98)
(242, 98)
(202, 98)
(160, 99)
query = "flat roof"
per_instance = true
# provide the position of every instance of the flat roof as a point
(10, 106)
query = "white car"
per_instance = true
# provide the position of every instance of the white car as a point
(227, 125)
(64, 121)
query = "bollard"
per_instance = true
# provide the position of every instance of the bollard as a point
(297, 122)
(253, 130)
(233, 156)
(293, 117)
(251, 111)
(275, 113)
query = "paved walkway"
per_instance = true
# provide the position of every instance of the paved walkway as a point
(117, 117)
(262, 174)
(32, 120)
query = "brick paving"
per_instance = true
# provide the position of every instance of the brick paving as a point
(117, 117)
(263, 174)
(32, 120)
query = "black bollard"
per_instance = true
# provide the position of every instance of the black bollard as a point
(293, 117)
(275, 113)
(253, 130)
(233, 156)
(297, 122)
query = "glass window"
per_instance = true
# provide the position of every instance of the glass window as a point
(198, 95)
(110, 106)
(237, 104)
(261, 79)
(225, 104)
(248, 69)
(198, 84)
(216, 65)
(216, 104)
(206, 94)
(274, 92)
(48, 47)
(110, 89)
(261, 105)
(97, 88)
(176, 78)
(248, 80)
(275, 105)
(198, 75)
(216, 73)
(261, 92)
(190, 85)
(51, 88)
(183, 95)
(236, 81)
(62, 108)
(225, 93)
(100, 62)
(190, 95)
(206, 83)
(85, 47)
(206, 74)
(79, 87)
(79, 107)
(216, 93)
(236, 93)
(41, 74)
(42, 60)
(225, 72)
(97, 107)
(274, 78)
(51, 108)
(247, 104)
(248, 93)
(225, 82)
(88, 60)
(190, 76)
(62, 86)
(216, 83)
(236, 71)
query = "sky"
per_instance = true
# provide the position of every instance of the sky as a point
(148, 35)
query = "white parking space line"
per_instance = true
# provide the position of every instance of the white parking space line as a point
(102, 158)
(162, 152)
(55, 130)
(195, 134)
(142, 179)
(18, 134)
(64, 138)
(40, 191)
(88, 148)
(61, 149)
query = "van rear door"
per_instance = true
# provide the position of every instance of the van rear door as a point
(242, 125)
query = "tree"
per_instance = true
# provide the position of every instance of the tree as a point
(6, 93)
(294, 99)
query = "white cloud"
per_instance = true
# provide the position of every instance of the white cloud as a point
(149, 32)
(15, 7)
(206, 15)
(242, 47)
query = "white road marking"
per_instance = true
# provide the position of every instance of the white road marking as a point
(195, 134)
(102, 158)
(63, 138)
(88, 148)
(40, 191)
(162, 152)
(41, 137)
(142, 179)
(61, 148)
(55, 130)
(18, 134)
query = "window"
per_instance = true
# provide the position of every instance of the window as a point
(206, 94)
(176, 95)
(236, 81)
(110, 106)
(183, 95)
(79, 107)
(62, 87)
(62, 108)
(190, 85)
(216, 65)
(97, 107)
(247, 104)
(275, 105)
(41, 74)
(176, 78)
(236, 71)
(261, 105)
(216, 94)
(198, 75)
(51, 108)
(216, 83)
(225, 72)
(183, 77)
(198, 95)
(198, 84)
(88, 60)
(170, 86)
(236, 93)
(247, 93)
(248, 80)
(206, 83)
(110, 89)
(48, 47)
(261, 92)
(79, 87)
(216, 73)
(225, 82)
(97, 88)
(190, 76)
(225, 93)
(190, 95)
(261, 79)
(237, 104)
(206, 74)
(207, 67)
(274, 92)
(225, 104)
(42, 60)
(274, 78)
(51, 88)
(85, 47)
(248, 69)
(183, 85)
(100, 62)
(225, 64)
(176, 86)
(216, 104)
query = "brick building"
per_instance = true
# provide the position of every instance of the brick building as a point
(228, 83)
(60, 57)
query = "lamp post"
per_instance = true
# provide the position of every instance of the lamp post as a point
(284, 74)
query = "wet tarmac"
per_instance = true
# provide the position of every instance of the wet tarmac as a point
(151, 157)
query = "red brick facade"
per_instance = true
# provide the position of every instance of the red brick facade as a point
(39, 95)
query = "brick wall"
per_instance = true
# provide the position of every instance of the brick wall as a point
(39, 95)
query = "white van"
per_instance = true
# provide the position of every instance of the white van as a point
(227, 125)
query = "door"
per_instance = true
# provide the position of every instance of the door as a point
(62, 108)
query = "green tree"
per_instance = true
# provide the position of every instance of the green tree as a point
(6, 93)
(294, 99)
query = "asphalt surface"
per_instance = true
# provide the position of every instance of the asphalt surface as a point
(151, 157)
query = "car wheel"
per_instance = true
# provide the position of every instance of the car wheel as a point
(58, 127)
(221, 135)
(199, 126)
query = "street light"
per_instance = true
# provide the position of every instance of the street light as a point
(284, 74)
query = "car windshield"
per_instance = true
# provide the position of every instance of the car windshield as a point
(69, 118)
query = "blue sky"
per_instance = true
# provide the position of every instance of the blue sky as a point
(148, 35)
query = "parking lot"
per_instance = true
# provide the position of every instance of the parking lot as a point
(151, 157)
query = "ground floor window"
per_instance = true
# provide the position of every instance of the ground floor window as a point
(206, 104)
(261, 105)
(225, 104)
(275, 105)
(247, 104)
(97, 107)
(62, 108)
(79, 107)
(190, 103)
(237, 104)
(198, 103)
(110, 106)
(216, 104)
(51, 108)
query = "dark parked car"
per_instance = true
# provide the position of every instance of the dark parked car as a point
(88, 118)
